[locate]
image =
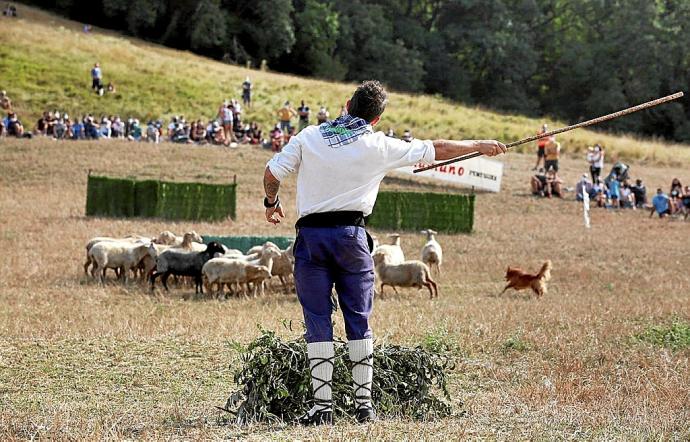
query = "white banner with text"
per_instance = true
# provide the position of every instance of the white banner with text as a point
(480, 173)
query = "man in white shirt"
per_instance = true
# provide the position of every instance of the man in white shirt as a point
(340, 166)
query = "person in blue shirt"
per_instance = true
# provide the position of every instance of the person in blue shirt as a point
(77, 130)
(660, 204)
(97, 79)
(614, 191)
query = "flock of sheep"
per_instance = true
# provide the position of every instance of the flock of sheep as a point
(213, 266)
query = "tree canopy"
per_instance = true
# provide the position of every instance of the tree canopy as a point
(569, 59)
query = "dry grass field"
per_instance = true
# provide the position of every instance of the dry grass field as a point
(81, 361)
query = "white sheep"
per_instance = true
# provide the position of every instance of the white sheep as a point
(432, 254)
(134, 239)
(408, 274)
(167, 237)
(392, 252)
(116, 255)
(238, 271)
(283, 266)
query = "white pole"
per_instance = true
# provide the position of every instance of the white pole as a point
(585, 204)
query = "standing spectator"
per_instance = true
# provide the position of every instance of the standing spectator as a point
(552, 152)
(97, 79)
(303, 111)
(407, 136)
(5, 102)
(660, 204)
(597, 164)
(236, 116)
(247, 92)
(227, 117)
(640, 192)
(285, 115)
(615, 191)
(10, 11)
(541, 144)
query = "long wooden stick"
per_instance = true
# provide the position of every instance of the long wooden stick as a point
(592, 122)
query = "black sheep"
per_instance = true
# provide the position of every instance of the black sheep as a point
(183, 263)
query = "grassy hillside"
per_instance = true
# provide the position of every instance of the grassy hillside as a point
(45, 63)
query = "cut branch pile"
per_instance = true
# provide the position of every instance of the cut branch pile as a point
(276, 385)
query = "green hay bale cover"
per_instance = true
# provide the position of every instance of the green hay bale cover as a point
(157, 199)
(245, 243)
(110, 197)
(446, 213)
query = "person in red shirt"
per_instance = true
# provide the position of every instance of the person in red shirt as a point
(541, 145)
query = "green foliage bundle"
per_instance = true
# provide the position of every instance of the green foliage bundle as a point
(446, 213)
(117, 197)
(276, 384)
(675, 335)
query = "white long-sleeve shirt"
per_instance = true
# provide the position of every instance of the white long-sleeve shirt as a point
(346, 177)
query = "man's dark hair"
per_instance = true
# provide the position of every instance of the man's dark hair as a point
(368, 101)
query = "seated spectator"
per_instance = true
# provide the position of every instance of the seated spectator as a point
(216, 134)
(42, 125)
(660, 204)
(15, 127)
(111, 87)
(627, 200)
(599, 193)
(152, 133)
(584, 186)
(390, 133)
(640, 192)
(179, 134)
(78, 130)
(60, 129)
(105, 127)
(614, 191)
(676, 194)
(199, 132)
(255, 134)
(135, 131)
(322, 116)
(538, 183)
(117, 128)
(91, 129)
(5, 102)
(685, 201)
(553, 184)
(3, 131)
(277, 139)
(407, 136)
(10, 11)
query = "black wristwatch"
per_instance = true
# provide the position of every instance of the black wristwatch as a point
(268, 205)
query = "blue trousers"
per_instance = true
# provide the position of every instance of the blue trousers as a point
(334, 256)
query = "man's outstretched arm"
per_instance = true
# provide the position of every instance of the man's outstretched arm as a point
(271, 188)
(448, 149)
